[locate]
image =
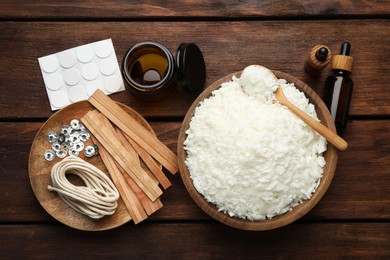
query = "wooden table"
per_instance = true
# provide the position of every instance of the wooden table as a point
(353, 218)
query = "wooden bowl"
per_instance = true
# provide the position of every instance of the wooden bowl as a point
(39, 172)
(278, 221)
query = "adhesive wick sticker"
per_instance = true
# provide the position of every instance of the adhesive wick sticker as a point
(59, 99)
(67, 59)
(54, 81)
(85, 54)
(77, 93)
(113, 83)
(72, 77)
(74, 74)
(49, 63)
(90, 71)
(92, 86)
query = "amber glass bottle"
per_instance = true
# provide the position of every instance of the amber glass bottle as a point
(338, 87)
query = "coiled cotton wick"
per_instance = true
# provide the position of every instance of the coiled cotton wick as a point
(98, 198)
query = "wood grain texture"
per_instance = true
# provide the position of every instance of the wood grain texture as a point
(351, 220)
(360, 189)
(227, 47)
(199, 241)
(117, 9)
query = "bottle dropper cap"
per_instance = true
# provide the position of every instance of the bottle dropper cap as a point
(343, 61)
(319, 57)
(322, 54)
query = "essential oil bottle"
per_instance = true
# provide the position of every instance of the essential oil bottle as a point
(338, 87)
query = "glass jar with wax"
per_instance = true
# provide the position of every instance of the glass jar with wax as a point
(150, 72)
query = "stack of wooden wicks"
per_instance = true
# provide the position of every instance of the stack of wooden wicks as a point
(122, 141)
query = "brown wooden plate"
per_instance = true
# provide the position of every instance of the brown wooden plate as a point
(278, 221)
(39, 172)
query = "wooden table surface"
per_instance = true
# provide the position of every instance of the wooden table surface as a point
(351, 221)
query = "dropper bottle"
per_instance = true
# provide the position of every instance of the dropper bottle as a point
(338, 87)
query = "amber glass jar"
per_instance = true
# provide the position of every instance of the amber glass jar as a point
(148, 69)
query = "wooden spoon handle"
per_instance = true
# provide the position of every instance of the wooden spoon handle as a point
(332, 137)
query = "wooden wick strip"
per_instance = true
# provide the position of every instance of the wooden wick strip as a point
(149, 206)
(132, 152)
(98, 126)
(151, 164)
(135, 130)
(133, 205)
(135, 171)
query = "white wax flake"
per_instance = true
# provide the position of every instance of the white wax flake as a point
(91, 66)
(253, 159)
(258, 82)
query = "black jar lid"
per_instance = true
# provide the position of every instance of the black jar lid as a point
(191, 68)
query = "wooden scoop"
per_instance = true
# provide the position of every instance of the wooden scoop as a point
(332, 137)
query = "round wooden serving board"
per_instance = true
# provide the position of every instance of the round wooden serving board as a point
(39, 172)
(330, 157)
